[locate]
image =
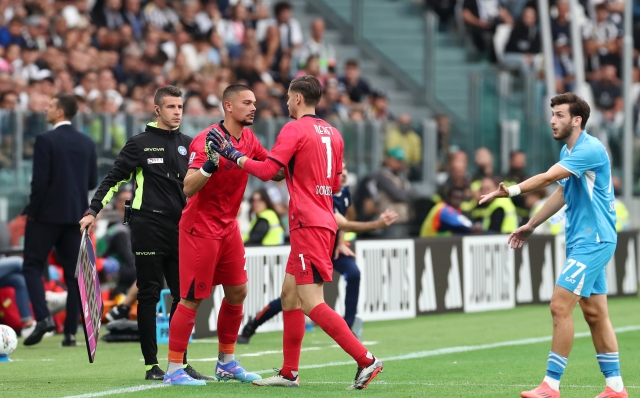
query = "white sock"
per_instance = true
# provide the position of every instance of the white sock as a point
(615, 383)
(173, 367)
(553, 383)
(225, 358)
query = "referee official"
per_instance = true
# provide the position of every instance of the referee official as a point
(157, 160)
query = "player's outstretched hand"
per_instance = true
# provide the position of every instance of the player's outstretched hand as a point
(517, 237)
(501, 192)
(387, 218)
(219, 143)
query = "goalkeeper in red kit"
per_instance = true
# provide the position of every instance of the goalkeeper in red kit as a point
(310, 150)
(211, 251)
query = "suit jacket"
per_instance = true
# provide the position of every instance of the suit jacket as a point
(65, 169)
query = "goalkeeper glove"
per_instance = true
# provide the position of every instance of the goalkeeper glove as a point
(217, 142)
(213, 159)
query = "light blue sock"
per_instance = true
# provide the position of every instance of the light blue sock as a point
(555, 365)
(609, 364)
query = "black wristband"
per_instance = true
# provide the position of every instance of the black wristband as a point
(209, 167)
(91, 212)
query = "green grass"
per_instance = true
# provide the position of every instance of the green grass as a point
(47, 370)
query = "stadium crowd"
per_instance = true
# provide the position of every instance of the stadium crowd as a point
(114, 54)
(508, 33)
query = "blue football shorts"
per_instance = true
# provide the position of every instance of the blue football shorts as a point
(584, 272)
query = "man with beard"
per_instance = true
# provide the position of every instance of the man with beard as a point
(211, 247)
(585, 186)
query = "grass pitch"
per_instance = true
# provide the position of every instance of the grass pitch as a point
(491, 354)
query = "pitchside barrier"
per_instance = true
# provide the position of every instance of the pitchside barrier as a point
(405, 278)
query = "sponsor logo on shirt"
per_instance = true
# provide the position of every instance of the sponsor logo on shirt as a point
(182, 150)
(154, 149)
(193, 156)
(145, 253)
(324, 190)
(155, 160)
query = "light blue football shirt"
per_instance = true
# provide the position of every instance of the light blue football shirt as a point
(588, 192)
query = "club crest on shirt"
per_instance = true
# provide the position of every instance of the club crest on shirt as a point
(182, 150)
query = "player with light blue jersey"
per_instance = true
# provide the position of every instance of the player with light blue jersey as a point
(586, 188)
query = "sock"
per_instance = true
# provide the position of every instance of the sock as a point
(555, 368)
(179, 332)
(292, 342)
(610, 368)
(337, 328)
(272, 309)
(229, 320)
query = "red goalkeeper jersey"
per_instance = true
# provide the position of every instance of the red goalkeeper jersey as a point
(310, 149)
(211, 211)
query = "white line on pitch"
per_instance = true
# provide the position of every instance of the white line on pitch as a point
(413, 355)
(409, 383)
(118, 391)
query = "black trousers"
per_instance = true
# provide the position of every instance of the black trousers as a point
(154, 241)
(39, 239)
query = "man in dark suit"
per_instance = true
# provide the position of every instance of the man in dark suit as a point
(64, 170)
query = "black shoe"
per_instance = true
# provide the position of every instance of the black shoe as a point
(197, 375)
(44, 326)
(118, 312)
(69, 340)
(155, 373)
(248, 331)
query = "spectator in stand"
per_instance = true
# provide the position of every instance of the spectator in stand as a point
(109, 15)
(193, 21)
(291, 37)
(266, 229)
(133, 17)
(232, 30)
(162, 16)
(560, 25)
(279, 195)
(604, 35)
(401, 134)
(500, 214)
(246, 71)
(393, 190)
(446, 218)
(482, 17)
(555, 224)
(357, 88)
(484, 167)
(444, 133)
(379, 108)
(312, 67)
(316, 45)
(607, 94)
(523, 44)
(12, 33)
(445, 10)
(622, 213)
(564, 66)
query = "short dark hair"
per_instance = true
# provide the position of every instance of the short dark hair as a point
(351, 62)
(516, 152)
(4, 94)
(166, 91)
(309, 87)
(577, 106)
(234, 89)
(281, 6)
(68, 103)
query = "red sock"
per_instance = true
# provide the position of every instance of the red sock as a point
(229, 320)
(292, 341)
(335, 326)
(180, 331)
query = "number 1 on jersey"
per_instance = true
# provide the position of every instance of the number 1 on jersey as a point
(327, 142)
(304, 267)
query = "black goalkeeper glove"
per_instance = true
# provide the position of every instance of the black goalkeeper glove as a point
(217, 142)
(213, 158)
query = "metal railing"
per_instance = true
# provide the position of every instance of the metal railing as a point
(364, 146)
